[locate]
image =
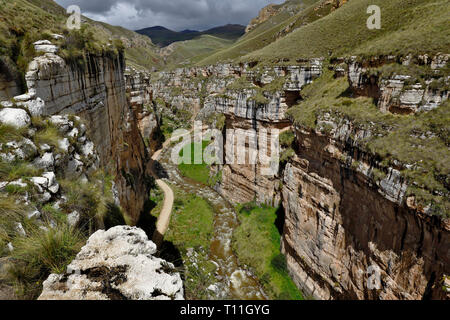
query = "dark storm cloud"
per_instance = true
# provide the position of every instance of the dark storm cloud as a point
(175, 14)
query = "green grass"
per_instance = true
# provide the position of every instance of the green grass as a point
(40, 253)
(192, 226)
(9, 133)
(197, 172)
(17, 170)
(407, 27)
(267, 32)
(191, 51)
(256, 243)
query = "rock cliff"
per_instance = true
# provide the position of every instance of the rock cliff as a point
(339, 223)
(96, 91)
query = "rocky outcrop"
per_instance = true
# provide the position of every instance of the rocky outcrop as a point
(118, 264)
(265, 14)
(73, 156)
(342, 229)
(140, 100)
(94, 90)
(401, 93)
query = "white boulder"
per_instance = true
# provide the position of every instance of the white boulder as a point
(116, 264)
(18, 118)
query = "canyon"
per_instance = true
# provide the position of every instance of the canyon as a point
(339, 220)
(361, 181)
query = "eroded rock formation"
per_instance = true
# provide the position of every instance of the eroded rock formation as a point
(118, 264)
(96, 92)
(339, 224)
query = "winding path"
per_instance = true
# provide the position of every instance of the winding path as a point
(164, 217)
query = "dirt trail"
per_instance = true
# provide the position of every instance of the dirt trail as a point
(164, 217)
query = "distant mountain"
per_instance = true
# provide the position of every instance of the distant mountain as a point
(162, 36)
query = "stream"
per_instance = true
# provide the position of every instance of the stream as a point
(233, 280)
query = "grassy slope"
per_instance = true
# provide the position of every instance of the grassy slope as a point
(266, 32)
(406, 27)
(192, 226)
(257, 244)
(144, 54)
(192, 51)
(19, 30)
(164, 37)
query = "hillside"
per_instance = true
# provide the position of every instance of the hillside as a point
(45, 17)
(189, 52)
(406, 28)
(164, 37)
(288, 17)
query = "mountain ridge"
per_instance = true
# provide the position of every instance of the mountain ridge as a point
(163, 36)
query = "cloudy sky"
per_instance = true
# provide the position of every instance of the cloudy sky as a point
(174, 14)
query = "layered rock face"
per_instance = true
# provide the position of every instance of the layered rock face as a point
(140, 100)
(343, 227)
(96, 92)
(401, 93)
(264, 15)
(342, 230)
(118, 264)
(9, 80)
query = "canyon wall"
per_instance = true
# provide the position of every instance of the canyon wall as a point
(340, 228)
(96, 91)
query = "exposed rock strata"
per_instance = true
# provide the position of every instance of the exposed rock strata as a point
(339, 219)
(394, 94)
(339, 223)
(140, 100)
(97, 93)
(118, 264)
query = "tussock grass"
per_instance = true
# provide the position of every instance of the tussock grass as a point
(41, 253)
(49, 135)
(17, 170)
(197, 172)
(9, 133)
(192, 226)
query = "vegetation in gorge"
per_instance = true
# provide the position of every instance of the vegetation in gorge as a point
(192, 226)
(256, 243)
(197, 172)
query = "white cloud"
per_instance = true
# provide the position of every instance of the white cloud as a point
(174, 14)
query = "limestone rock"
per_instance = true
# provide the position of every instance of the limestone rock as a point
(116, 264)
(14, 117)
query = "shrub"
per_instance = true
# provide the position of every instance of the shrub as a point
(279, 263)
